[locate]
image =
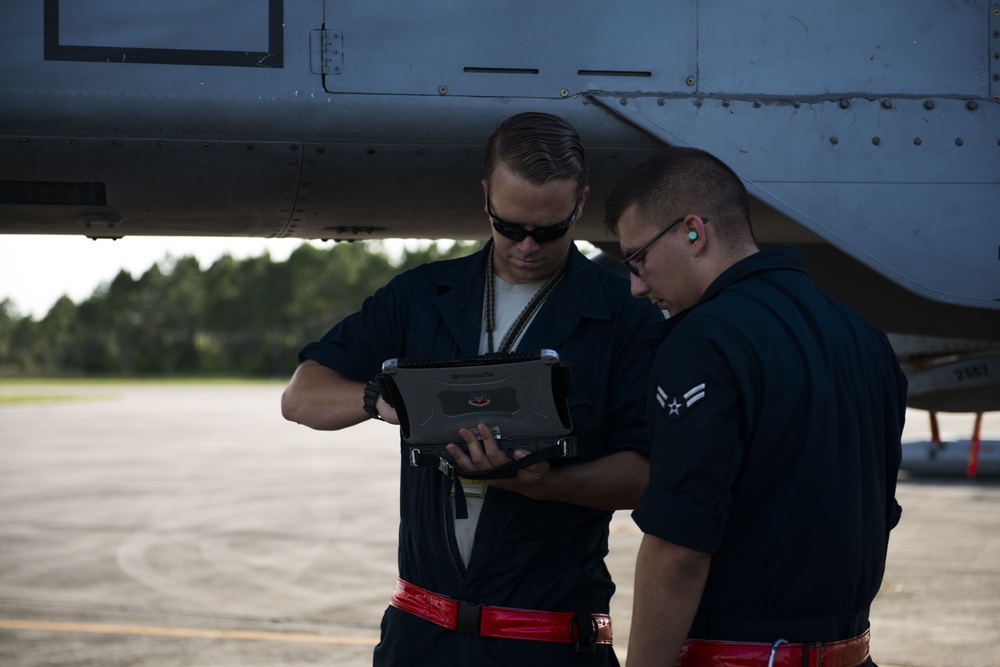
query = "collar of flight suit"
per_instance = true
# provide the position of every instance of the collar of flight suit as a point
(579, 295)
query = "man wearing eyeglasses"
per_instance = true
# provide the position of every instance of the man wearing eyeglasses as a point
(519, 578)
(776, 415)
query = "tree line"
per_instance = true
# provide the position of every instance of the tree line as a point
(238, 318)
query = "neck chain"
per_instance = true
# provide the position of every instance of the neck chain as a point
(529, 310)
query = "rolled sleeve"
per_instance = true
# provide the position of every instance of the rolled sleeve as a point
(683, 521)
(696, 443)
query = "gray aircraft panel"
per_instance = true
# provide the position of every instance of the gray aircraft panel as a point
(517, 48)
(857, 179)
(157, 25)
(854, 47)
(255, 182)
(195, 49)
(872, 127)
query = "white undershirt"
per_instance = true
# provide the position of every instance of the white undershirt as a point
(508, 302)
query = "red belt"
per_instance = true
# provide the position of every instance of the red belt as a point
(845, 653)
(486, 621)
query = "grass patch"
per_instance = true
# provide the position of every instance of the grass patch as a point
(47, 390)
(41, 398)
(55, 382)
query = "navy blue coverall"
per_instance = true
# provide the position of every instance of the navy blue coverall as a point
(527, 554)
(776, 418)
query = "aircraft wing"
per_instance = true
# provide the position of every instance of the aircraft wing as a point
(869, 134)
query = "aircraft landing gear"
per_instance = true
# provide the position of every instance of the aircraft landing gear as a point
(974, 442)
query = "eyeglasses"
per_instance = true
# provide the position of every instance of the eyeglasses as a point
(517, 233)
(645, 246)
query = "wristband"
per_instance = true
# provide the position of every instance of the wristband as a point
(371, 396)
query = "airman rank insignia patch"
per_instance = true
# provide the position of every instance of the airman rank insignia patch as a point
(675, 406)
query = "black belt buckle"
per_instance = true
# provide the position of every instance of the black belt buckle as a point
(816, 648)
(583, 631)
(468, 619)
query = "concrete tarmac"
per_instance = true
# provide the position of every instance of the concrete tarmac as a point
(155, 525)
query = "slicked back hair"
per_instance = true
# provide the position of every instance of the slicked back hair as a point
(539, 147)
(680, 181)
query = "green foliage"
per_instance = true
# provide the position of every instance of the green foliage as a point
(238, 318)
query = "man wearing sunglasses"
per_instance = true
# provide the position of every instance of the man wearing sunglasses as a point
(775, 436)
(520, 578)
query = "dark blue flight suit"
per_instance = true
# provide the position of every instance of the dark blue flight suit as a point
(528, 554)
(776, 418)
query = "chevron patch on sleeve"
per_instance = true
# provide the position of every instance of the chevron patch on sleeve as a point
(675, 406)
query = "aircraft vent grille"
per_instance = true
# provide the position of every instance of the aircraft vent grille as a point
(52, 193)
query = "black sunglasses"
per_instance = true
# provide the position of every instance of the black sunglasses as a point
(635, 255)
(540, 234)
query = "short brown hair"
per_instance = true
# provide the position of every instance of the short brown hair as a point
(679, 181)
(538, 146)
